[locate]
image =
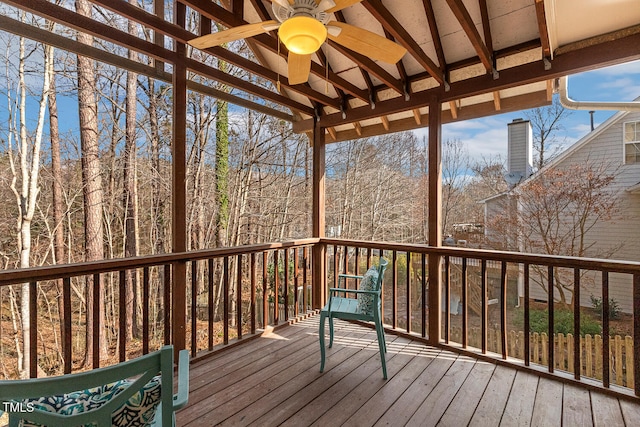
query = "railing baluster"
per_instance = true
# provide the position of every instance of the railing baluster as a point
(33, 329)
(66, 329)
(276, 287)
(447, 298)
(484, 308)
(194, 307)
(527, 320)
(605, 330)
(225, 291)
(357, 258)
(503, 309)
(394, 290)
(463, 298)
(346, 261)
(408, 284)
(145, 310)
(636, 332)
(253, 293)
(122, 317)
(95, 351)
(305, 259)
(551, 329)
(296, 282)
(167, 304)
(210, 301)
(369, 256)
(576, 323)
(239, 295)
(286, 285)
(265, 300)
(335, 266)
(423, 291)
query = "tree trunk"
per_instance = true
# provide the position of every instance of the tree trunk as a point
(130, 196)
(92, 191)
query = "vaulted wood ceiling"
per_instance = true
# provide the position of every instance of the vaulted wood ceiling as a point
(476, 57)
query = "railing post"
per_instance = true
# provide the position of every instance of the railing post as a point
(319, 249)
(636, 332)
(435, 217)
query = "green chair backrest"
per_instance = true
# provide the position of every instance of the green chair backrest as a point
(143, 369)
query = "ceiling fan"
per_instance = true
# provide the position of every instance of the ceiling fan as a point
(303, 26)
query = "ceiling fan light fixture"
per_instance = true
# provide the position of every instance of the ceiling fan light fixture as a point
(302, 35)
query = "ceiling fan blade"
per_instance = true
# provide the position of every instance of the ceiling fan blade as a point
(367, 43)
(342, 4)
(298, 68)
(235, 33)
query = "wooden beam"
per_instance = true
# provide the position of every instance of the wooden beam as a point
(402, 36)
(435, 34)
(332, 132)
(178, 190)
(435, 217)
(486, 25)
(318, 217)
(357, 128)
(512, 104)
(464, 18)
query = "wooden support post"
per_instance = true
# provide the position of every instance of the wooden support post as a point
(178, 190)
(319, 250)
(435, 217)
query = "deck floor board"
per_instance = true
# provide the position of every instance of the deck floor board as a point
(275, 380)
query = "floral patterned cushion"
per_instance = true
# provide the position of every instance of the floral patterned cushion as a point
(368, 283)
(138, 411)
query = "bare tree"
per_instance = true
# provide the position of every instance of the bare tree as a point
(546, 123)
(554, 214)
(92, 179)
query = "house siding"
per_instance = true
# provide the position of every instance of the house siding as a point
(622, 232)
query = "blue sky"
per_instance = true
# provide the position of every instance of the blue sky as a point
(488, 136)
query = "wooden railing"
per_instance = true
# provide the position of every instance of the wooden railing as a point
(277, 277)
(406, 308)
(258, 274)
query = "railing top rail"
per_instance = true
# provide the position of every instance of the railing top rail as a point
(13, 276)
(616, 266)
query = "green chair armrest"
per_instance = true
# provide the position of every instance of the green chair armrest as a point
(355, 291)
(349, 276)
(182, 396)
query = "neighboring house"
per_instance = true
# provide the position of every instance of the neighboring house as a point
(614, 146)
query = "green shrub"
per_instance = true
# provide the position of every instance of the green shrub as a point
(614, 307)
(563, 322)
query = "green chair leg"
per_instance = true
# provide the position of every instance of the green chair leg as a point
(330, 331)
(321, 334)
(383, 348)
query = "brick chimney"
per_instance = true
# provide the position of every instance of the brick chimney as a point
(520, 151)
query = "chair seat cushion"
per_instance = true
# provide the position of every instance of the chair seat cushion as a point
(368, 283)
(138, 411)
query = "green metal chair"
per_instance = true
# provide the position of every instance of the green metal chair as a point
(108, 396)
(343, 307)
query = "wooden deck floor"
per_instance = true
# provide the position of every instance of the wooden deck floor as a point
(274, 380)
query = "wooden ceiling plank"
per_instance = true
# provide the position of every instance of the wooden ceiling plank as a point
(402, 36)
(542, 27)
(464, 18)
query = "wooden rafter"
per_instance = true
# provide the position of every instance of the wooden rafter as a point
(464, 18)
(402, 36)
(542, 27)
(367, 63)
(496, 100)
(486, 27)
(435, 34)
(453, 107)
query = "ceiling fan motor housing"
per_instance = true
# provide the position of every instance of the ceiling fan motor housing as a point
(307, 8)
